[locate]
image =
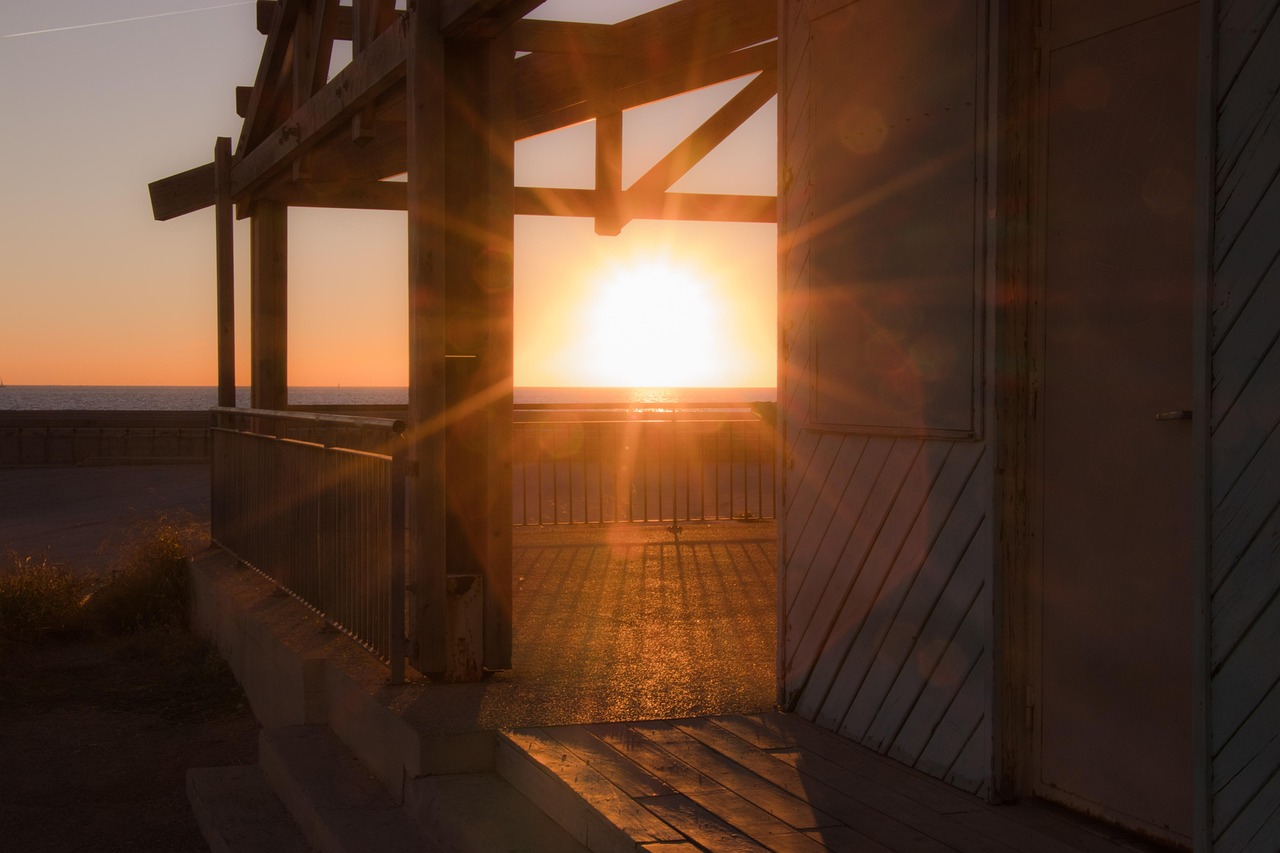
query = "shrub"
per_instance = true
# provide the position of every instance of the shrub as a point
(148, 589)
(38, 598)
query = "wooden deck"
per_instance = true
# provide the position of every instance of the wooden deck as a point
(770, 782)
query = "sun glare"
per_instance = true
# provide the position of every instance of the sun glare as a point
(655, 323)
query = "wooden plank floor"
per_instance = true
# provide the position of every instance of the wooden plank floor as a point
(776, 782)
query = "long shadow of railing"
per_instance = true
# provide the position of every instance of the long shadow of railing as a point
(316, 502)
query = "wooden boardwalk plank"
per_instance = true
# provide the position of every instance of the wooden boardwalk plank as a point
(777, 782)
(700, 825)
(758, 790)
(625, 774)
(703, 790)
(870, 823)
(573, 793)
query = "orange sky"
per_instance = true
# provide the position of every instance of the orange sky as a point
(92, 291)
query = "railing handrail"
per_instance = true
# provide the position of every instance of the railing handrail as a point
(247, 424)
(392, 425)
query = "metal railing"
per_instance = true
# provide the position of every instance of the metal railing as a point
(648, 466)
(116, 437)
(317, 504)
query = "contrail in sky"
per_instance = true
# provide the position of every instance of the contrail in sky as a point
(126, 20)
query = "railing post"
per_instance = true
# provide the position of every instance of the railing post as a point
(398, 645)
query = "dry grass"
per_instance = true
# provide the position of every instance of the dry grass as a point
(140, 609)
(145, 591)
(38, 599)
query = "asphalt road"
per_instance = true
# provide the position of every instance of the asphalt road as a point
(79, 516)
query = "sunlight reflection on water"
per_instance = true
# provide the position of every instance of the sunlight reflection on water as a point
(196, 398)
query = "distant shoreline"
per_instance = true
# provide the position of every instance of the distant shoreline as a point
(177, 398)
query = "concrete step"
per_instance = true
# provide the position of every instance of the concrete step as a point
(481, 812)
(554, 769)
(239, 813)
(338, 805)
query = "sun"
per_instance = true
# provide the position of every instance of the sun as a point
(655, 323)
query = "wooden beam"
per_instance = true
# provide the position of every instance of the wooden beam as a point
(531, 34)
(556, 91)
(424, 76)
(609, 218)
(341, 16)
(347, 195)
(479, 240)
(268, 298)
(182, 193)
(371, 74)
(690, 207)
(302, 64)
(701, 27)
(268, 81)
(314, 72)
(369, 18)
(265, 11)
(481, 19)
(708, 135)
(243, 96)
(225, 263)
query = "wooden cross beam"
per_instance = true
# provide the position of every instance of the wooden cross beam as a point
(260, 109)
(580, 72)
(556, 91)
(481, 19)
(370, 74)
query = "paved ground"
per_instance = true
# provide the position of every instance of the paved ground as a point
(612, 622)
(76, 515)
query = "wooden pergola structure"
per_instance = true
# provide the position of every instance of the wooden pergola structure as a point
(439, 93)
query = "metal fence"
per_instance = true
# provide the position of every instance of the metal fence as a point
(324, 521)
(89, 437)
(643, 469)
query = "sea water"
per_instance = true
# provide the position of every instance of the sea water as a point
(199, 397)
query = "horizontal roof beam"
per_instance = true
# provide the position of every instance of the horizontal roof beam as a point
(481, 19)
(183, 193)
(537, 36)
(699, 207)
(541, 201)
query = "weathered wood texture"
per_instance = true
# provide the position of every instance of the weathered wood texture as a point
(1244, 452)
(766, 782)
(268, 306)
(885, 541)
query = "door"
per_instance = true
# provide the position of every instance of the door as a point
(1113, 721)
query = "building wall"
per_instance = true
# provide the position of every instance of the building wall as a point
(886, 545)
(1244, 457)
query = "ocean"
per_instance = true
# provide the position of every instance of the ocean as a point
(198, 398)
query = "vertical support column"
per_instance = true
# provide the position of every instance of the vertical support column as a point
(609, 174)
(225, 265)
(498, 368)
(269, 334)
(480, 149)
(426, 190)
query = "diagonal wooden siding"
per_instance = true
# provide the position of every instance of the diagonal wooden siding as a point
(1245, 432)
(886, 548)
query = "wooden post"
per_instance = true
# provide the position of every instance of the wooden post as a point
(225, 265)
(426, 196)
(268, 283)
(498, 367)
(480, 237)
(609, 174)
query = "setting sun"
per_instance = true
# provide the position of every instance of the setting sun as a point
(655, 322)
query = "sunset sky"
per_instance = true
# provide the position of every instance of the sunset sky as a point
(93, 291)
